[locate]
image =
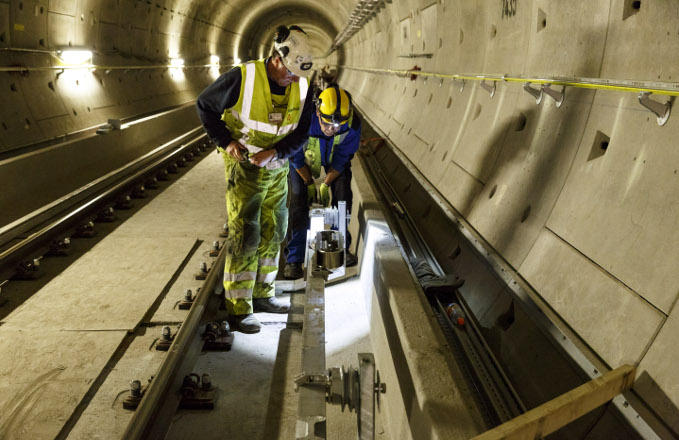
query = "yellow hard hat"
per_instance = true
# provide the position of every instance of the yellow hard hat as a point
(334, 105)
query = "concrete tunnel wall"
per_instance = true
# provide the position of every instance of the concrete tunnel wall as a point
(592, 230)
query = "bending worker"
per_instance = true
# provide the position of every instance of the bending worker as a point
(257, 114)
(334, 136)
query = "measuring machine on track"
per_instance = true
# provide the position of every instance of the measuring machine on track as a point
(355, 388)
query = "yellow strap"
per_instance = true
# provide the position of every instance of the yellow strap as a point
(660, 88)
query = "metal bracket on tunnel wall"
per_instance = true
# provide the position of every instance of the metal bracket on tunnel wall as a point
(488, 87)
(536, 93)
(461, 84)
(414, 70)
(558, 97)
(660, 110)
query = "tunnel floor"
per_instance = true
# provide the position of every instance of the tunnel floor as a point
(73, 347)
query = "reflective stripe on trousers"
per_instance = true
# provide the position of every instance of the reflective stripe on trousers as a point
(257, 219)
(240, 276)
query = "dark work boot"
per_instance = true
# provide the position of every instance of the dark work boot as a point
(351, 259)
(245, 323)
(293, 271)
(270, 305)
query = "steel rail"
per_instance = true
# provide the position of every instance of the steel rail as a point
(660, 88)
(90, 195)
(153, 416)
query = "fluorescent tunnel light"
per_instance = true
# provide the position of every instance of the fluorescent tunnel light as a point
(76, 57)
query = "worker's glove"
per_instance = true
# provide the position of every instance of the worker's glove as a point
(324, 194)
(311, 193)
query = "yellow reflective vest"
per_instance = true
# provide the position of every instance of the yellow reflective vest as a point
(250, 121)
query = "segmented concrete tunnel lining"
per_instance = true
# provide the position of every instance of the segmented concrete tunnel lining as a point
(591, 228)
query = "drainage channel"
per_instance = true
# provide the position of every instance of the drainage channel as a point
(496, 398)
(513, 347)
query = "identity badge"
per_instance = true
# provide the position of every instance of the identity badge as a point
(275, 118)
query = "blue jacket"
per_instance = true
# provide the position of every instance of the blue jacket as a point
(344, 151)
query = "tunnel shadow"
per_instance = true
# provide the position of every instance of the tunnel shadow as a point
(507, 328)
(490, 165)
(658, 402)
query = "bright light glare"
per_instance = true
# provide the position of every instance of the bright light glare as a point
(348, 307)
(177, 69)
(236, 60)
(214, 60)
(78, 83)
(76, 57)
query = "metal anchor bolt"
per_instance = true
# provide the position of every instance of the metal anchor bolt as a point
(206, 381)
(202, 271)
(167, 333)
(135, 388)
(152, 183)
(106, 215)
(214, 252)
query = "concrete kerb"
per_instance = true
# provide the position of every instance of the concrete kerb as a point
(410, 350)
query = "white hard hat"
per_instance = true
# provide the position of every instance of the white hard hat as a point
(293, 45)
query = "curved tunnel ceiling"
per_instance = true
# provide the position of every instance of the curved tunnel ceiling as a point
(257, 28)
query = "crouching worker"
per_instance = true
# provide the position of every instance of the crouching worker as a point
(258, 114)
(334, 136)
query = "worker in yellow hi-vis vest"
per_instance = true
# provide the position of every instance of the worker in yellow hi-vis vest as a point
(258, 114)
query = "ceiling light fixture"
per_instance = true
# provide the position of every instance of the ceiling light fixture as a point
(73, 57)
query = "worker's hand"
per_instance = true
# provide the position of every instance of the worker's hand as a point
(311, 193)
(235, 149)
(263, 157)
(324, 194)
